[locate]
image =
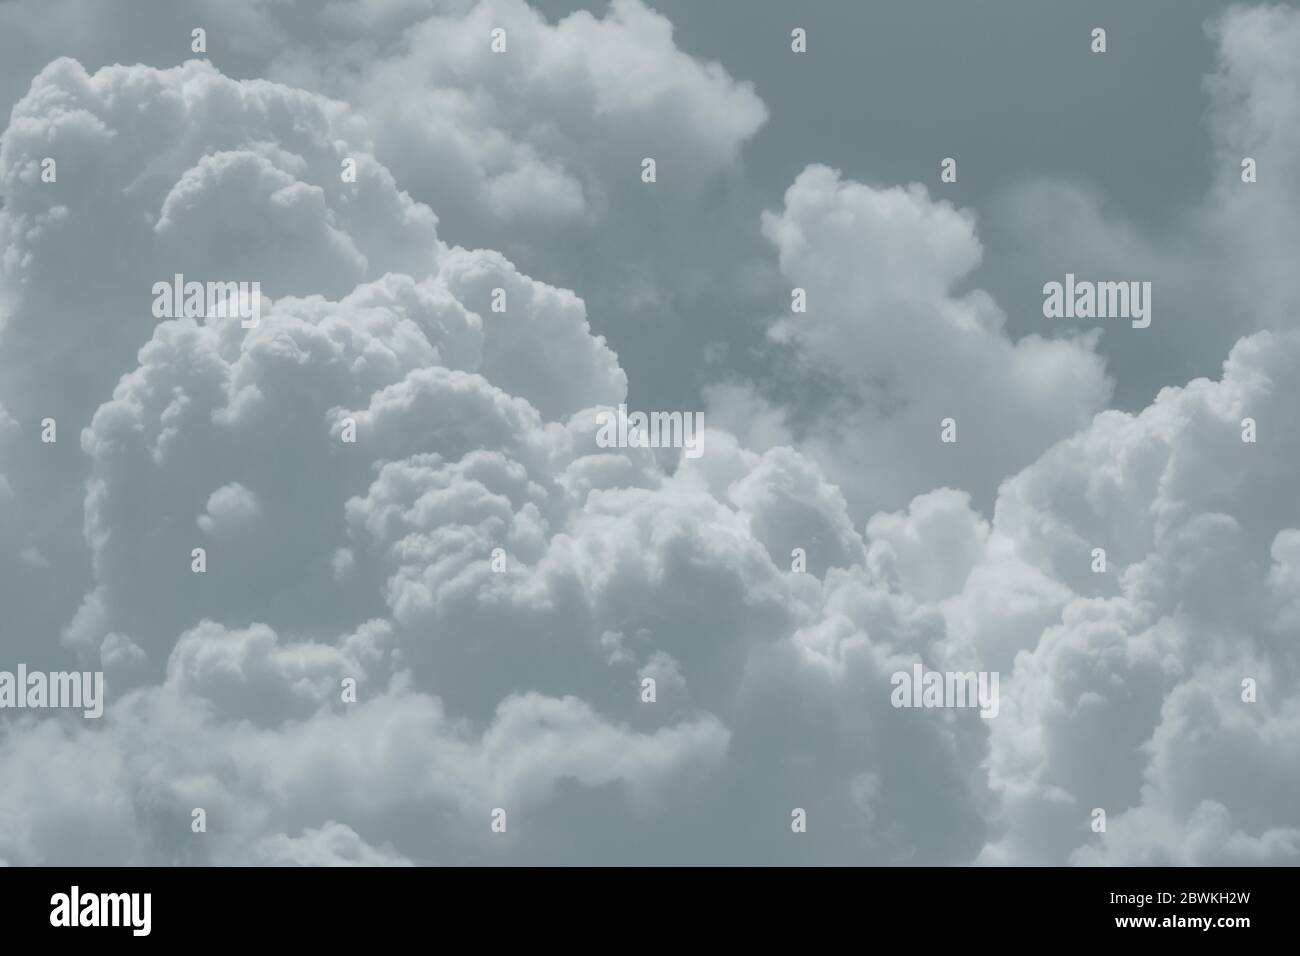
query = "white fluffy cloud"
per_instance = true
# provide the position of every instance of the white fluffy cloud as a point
(903, 350)
(159, 172)
(1133, 701)
(529, 133)
(530, 137)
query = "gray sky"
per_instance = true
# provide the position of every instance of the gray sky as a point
(1008, 89)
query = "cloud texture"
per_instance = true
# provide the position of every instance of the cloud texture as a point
(496, 588)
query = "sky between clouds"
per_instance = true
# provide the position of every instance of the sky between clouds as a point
(521, 689)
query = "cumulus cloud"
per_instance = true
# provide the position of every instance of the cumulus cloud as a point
(231, 508)
(521, 136)
(904, 350)
(512, 685)
(181, 170)
(1127, 702)
(428, 594)
(529, 133)
(159, 173)
(536, 152)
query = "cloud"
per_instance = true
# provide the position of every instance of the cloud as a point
(902, 350)
(250, 675)
(186, 162)
(931, 550)
(231, 508)
(512, 687)
(163, 753)
(531, 134)
(333, 844)
(181, 170)
(1128, 701)
(201, 425)
(790, 505)
(159, 172)
(1253, 100)
(1214, 261)
(499, 586)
